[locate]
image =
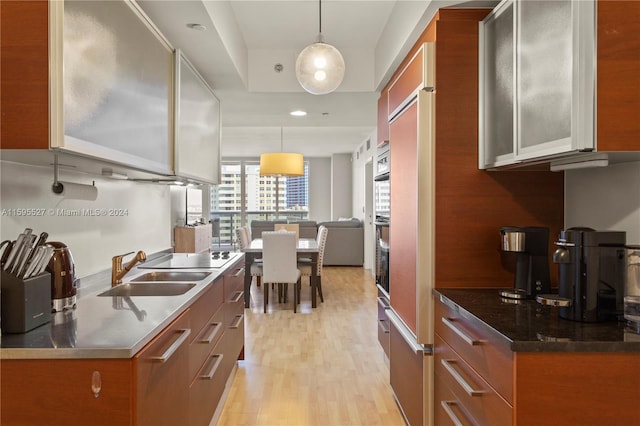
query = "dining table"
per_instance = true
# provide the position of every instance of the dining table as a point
(305, 248)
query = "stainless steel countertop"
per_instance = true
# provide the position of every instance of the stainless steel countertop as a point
(105, 327)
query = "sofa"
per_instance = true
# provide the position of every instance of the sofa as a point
(345, 238)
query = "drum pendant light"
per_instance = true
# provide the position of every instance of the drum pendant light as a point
(281, 163)
(320, 66)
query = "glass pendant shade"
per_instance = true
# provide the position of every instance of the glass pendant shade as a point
(320, 68)
(281, 164)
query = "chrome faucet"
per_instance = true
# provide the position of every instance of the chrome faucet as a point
(118, 271)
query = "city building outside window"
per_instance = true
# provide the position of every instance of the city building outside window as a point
(244, 196)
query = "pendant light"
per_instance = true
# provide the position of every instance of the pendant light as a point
(320, 66)
(281, 163)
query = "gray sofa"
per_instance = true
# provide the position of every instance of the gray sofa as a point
(345, 238)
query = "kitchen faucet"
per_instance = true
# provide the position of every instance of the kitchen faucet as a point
(118, 271)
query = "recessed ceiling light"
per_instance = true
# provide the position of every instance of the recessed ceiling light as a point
(298, 113)
(197, 27)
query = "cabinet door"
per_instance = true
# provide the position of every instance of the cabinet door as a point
(497, 87)
(163, 376)
(197, 112)
(554, 77)
(111, 84)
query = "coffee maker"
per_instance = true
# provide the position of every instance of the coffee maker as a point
(531, 243)
(591, 275)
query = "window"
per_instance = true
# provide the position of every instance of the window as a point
(244, 196)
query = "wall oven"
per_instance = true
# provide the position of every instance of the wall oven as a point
(382, 211)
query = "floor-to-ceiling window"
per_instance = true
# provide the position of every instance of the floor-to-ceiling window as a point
(243, 195)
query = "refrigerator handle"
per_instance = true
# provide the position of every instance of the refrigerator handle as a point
(407, 334)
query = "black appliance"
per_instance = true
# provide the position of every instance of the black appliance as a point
(382, 254)
(531, 243)
(591, 266)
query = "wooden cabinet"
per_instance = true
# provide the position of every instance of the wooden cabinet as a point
(383, 117)
(162, 376)
(192, 239)
(473, 368)
(383, 322)
(178, 378)
(116, 93)
(62, 391)
(479, 380)
(549, 78)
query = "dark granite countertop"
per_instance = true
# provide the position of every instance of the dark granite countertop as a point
(531, 327)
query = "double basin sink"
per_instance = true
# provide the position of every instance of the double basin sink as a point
(162, 283)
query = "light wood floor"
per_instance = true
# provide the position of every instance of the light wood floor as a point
(317, 367)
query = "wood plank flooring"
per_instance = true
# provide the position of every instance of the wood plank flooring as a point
(317, 367)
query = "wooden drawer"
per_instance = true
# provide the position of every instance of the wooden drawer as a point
(473, 393)
(204, 308)
(204, 342)
(480, 348)
(206, 389)
(231, 343)
(234, 279)
(447, 408)
(383, 323)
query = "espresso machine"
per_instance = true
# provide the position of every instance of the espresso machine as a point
(531, 245)
(591, 279)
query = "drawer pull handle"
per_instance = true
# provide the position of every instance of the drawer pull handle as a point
(464, 336)
(240, 272)
(382, 301)
(446, 405)
(239, 295)
(215, 329)
(184, 333)
(458, 378)
(214, 367)
(237, 321)
(384, 326)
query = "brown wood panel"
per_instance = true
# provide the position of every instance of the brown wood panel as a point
(199, 349)
(406, 376)
(204, 308)
(577, 388)
(24, 80)
(407, 82)
(472, 204)
(491, 359)
(487, 408)
(618, 76)
(383, 117)
(59, 391)
(404, 215)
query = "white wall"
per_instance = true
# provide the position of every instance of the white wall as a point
(93, 240)
(605, 198)
(319, 189)
(341, 186)
(360, 158)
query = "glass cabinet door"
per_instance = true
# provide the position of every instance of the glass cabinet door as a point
(497, 79)
(544, 60)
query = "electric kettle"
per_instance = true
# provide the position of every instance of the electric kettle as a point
(63, 278)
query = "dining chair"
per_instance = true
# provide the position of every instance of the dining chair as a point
(244, 241)
(305, 266)
(279, 263)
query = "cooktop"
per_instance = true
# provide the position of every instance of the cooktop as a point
(216, 259)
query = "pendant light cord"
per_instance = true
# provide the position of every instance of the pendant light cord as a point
(320, 16)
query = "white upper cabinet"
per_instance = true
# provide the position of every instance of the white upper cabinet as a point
(111, 85)
(197, 118)
(537, 78)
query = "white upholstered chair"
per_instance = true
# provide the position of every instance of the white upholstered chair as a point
(305, 267)
(279, 265)
(242, 234)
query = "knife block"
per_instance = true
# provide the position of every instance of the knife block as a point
(26, 304)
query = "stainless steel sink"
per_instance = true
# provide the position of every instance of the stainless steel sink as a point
(171, 276)
(149, 289)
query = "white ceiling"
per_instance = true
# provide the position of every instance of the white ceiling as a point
(244, 40)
